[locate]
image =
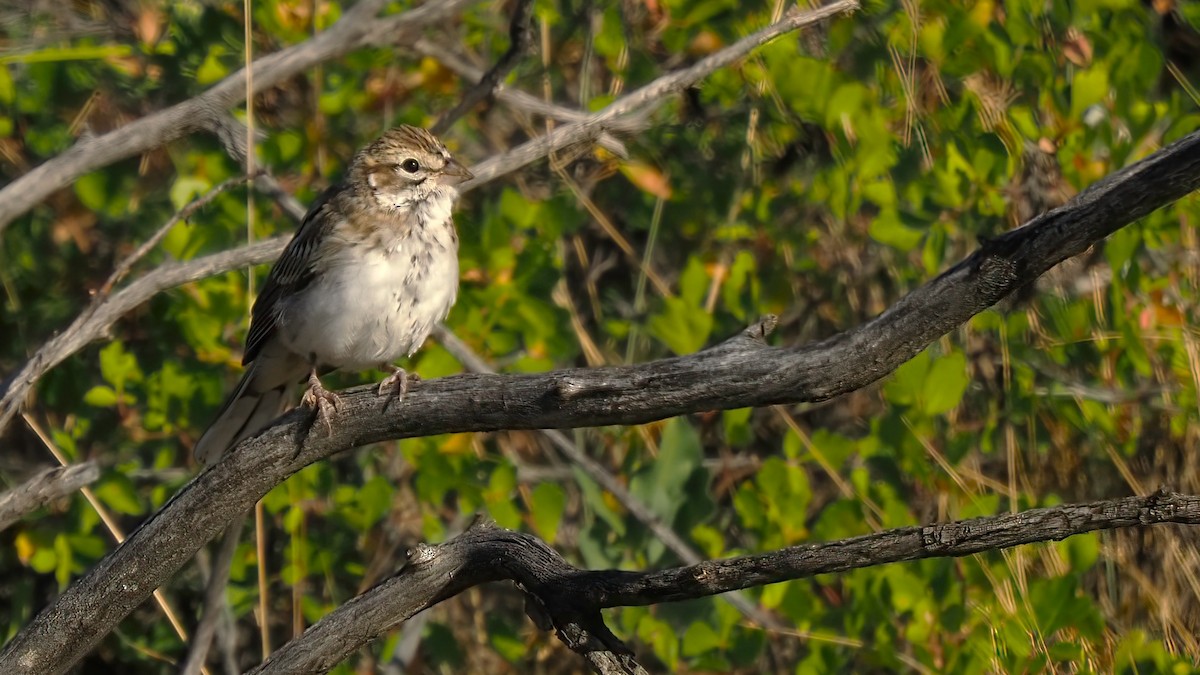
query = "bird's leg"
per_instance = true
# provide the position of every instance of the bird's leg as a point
(323, 401)
(397, 382)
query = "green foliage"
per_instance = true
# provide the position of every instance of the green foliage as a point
(819, 179)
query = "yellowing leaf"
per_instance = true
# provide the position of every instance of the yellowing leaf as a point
(25, 547)
(456, 444)
(705, 42)
(648, 178)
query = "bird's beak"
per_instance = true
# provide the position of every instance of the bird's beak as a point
(454, 173)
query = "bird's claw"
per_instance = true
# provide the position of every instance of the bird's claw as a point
(397, 383)
(322, 401)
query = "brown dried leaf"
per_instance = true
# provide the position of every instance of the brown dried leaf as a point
(1077, 48)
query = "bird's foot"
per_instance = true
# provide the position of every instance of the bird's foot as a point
(322, 401)
(395, 386)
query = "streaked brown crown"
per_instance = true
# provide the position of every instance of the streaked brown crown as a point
(382, 164)
(405, 138)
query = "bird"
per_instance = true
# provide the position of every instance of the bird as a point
(371, 270)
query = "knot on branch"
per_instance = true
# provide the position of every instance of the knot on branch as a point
(762, 328)
(1161, 506)
(420, 554)
(996, 268)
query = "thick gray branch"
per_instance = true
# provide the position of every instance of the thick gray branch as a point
(741, 372)
(571, 597)
(44, 488)
(580, 459)
(359, 27)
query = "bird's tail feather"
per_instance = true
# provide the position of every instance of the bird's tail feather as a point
(246, 412)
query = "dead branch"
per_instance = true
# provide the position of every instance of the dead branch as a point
(741, 372)
(44, 488)
(626, 114)
(520, 35)
(605, 479)
(359, 27)
(571, 598)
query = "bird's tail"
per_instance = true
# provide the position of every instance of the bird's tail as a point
(246, 412)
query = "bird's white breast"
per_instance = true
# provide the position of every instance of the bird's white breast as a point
(375, 302)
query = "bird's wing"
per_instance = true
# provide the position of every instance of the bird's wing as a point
(291, 273)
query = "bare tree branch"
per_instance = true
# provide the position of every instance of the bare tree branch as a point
(629, 112)
(741, 372)
(95, 321)
(44, 488)
(359, 27)
(214, 601)
(520, 34)
(625, 114)
(569, 596)
(593, 469)
(513, 98)
(148, 245)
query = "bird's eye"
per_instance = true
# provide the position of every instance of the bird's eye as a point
(410, 165)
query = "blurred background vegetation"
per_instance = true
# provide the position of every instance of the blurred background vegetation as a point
(820, 179)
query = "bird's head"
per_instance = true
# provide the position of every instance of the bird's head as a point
(407, 165)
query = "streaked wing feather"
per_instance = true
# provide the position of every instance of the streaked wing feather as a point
(291, 273)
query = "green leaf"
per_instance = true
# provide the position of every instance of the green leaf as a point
(118, 366)
(737, 426)
(547, 503)
(847, 101)
(498, 497)
(101, 396)
(905, 385)
(694, 282)
(71, 53)
(7, 91)
(1121, 246)
(65, 559)
(1088, 88)
(594, 499)
(886, 228)
(119, 494)
(682, 327)
(946, 383)
(212, 69)
(699, 638)
(187, 188)
(662, 638)
(661, 485)
(44, 560)
(92, 190)
(374, 500)
(506, 641)
(1081, 551)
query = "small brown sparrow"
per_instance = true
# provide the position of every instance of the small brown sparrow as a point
(372, 269)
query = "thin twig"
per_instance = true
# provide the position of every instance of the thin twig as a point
(214, 601)
(520, 34)
(594, 470)
(360, 26)
(741, 372)
(140, 252)
(94, 321)
(46, 487)
(513, 98)
(570, 599)
(630, 112)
